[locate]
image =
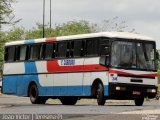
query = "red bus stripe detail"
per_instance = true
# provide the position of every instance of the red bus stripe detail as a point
(125, 73)
(150, 75)
(51, 39)
(53, 66)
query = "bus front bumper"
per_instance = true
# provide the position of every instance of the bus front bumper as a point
(131, 91)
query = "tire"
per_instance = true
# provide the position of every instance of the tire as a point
(139, 101)
(100, 94)
(157, 97)
(68, 100)
(34, 95)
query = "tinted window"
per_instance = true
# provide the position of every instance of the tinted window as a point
(17, 53)
(35, 52)
(78, 48)
(61, 49)
(104, 46)
(92, 47)
(10, 53)
(49, 50)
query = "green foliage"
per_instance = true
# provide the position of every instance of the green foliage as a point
(69, 28)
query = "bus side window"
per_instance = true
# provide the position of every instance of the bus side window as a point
(72, 49)
(21, 52)
(17, 54)
(49, 50)
(92, 47)
(6, 54)
(78, 48)
(10, 54)
(35, 51)
(104, 47)
(61, 49)
(68, 49)
(83, 50)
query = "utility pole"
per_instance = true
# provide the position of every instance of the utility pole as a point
(50, 14)
(43, 18)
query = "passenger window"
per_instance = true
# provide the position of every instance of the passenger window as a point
(35, 52)
(10, 54)
(92, 47)
(104, 46)
(23, 51)
(17, 53)
(78, 48)
(61, 49)
(49, 50)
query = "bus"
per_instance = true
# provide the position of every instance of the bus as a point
(102, 66)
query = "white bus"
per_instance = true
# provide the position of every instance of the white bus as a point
(106, 65)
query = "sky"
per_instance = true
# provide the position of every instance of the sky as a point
(142, 15)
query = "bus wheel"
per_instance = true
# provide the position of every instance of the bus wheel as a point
(68, 100)
(33, 94)
(100, 94)
(139, 101)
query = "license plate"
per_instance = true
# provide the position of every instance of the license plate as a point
(136, 93)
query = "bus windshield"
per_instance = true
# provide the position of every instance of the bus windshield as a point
(133, 55)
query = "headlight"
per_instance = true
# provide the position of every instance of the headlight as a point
(152, 90)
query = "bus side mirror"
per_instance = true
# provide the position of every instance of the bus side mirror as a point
(104, 60)
(157, 55)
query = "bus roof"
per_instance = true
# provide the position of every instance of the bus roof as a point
(125, 35)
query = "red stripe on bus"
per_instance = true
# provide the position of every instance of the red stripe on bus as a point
(51, 39)
(125, 73)
(53, 66)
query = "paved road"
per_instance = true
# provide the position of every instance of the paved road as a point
(83, 109)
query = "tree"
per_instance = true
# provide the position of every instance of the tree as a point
(6, 12)
(68, 28)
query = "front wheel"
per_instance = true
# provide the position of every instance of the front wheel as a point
(139, 101)
(100, 94)
(34, 95)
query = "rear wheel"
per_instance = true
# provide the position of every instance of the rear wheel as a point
(34, 95)
(139, 101)
(68, 100)
(100, 94)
